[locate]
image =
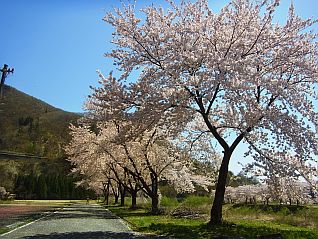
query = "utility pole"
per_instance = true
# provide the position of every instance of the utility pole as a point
(5, 71)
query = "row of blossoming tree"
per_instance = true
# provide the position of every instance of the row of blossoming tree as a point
(235, 77)
(283, 191)
(126, 157)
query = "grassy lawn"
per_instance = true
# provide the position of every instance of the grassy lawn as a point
(249, 221)
(3, 230)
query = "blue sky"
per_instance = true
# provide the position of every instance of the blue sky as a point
(56, 46)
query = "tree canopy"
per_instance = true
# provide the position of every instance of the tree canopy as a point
(238, 74)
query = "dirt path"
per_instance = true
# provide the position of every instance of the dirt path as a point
(76, 221)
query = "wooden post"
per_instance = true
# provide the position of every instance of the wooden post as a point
(5, 71)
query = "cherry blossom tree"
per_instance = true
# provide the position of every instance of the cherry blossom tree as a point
(286, 177)
(93, 172)
(249, 80)
(135, 163)
(284, 190)
(97, 173)
(244, 193)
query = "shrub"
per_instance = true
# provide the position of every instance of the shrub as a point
(3, 193)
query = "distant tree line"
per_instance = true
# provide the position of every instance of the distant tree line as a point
(55, 186)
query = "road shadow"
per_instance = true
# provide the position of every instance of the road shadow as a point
(94, 235)
(79, 211)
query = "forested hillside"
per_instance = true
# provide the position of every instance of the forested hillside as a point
(29, 126)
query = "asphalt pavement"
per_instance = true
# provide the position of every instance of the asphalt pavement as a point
(77, 221)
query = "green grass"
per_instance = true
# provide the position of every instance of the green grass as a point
(141, 220)
(299, 216)
(254, 229)
(169, 202)
(200, 204)
(249, 221)
(3, 230)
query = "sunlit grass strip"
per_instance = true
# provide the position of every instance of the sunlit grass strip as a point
(141, 221)
(3, 230)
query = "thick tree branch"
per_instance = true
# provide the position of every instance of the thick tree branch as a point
(213, 98)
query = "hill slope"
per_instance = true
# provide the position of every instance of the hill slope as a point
(29, 125)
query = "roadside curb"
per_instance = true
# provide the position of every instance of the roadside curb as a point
(129, 225)
(123, 221)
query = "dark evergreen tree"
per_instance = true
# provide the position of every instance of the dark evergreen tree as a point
(42, 188)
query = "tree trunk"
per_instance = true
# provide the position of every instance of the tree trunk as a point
(134, 200)
(116, 194)
(116, 198)
(154, 195)
(106, 193)
(122, 195)
(155, 204)
(107, 199)
(216, 211)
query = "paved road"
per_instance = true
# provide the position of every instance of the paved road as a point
(77, 221)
